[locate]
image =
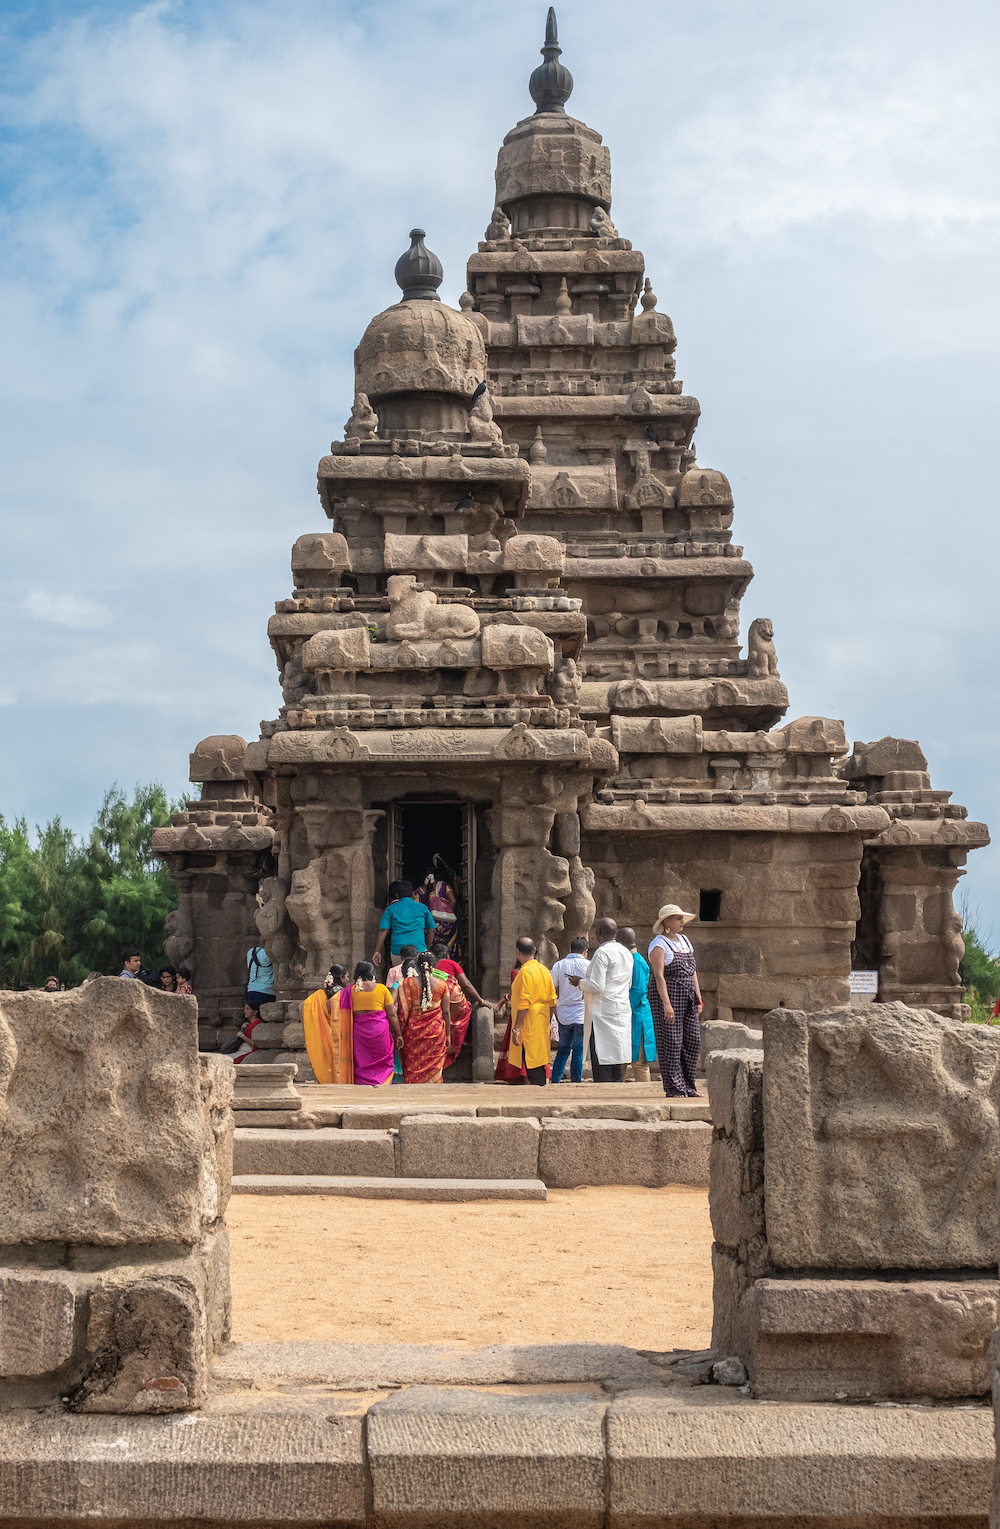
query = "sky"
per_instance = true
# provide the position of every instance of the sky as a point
(200, 210)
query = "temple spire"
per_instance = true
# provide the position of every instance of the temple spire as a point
(551, 84)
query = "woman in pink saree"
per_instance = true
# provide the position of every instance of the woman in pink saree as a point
(375, 1032)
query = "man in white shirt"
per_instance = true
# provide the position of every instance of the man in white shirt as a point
(570, 1012)
(608, 1010)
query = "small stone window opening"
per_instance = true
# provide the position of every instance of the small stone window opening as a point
(709, 907)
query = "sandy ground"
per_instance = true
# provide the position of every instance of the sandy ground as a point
(623, 1265)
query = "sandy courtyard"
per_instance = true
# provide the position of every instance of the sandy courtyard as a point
(623, 1265)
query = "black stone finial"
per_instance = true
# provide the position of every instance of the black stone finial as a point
(418, 272)
(551, 85)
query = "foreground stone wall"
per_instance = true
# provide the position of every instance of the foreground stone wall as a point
(115, 1172)
(853, 1204)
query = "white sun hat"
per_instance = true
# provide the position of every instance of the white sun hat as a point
(671, 910)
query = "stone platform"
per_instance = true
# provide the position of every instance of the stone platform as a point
(591, 1435)
(408, 1134)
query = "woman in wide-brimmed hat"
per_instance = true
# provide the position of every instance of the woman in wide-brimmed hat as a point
(675, 999)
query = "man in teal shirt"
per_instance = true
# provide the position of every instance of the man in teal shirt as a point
(643, 1039)
(406, 921)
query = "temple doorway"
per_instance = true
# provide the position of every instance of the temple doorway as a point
(421, 827)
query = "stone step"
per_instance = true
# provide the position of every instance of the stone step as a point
(325, 1152)
(564, 1154)
(360, 1187)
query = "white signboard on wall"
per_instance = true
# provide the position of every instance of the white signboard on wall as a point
(864, 982)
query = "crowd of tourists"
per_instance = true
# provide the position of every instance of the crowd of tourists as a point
(620, 1008)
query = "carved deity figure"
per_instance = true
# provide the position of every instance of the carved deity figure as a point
(567, 683)
(762, 660)
(499, 225)
(416, 616)
(179, 946)
(363, 422)
(272, 922)
(481, 424)
(601, 224)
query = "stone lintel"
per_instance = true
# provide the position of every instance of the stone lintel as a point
(664, 406)
(408, 746)
(723, 817)
(923, 833)
(622, 569)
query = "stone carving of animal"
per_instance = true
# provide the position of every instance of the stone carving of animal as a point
(762, 660)
(416, 616)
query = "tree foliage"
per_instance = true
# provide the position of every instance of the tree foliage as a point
(978, 969)
(68, 906)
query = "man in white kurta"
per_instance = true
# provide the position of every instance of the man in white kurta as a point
(605, 988)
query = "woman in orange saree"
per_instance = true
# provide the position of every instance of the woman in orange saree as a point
(329, 1029)
(425, 1017)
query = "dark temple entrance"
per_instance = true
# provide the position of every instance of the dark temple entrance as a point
(421, 827)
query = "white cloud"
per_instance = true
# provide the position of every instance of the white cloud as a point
(67, 610)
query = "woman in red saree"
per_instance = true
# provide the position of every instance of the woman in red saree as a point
(461, 996)
(425, 1018)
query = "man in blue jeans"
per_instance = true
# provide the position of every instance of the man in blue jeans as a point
(569, 1012)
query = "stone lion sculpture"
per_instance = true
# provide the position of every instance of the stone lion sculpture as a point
(416, 616)
(762, 660)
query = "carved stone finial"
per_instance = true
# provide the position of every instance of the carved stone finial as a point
(538, 450)
(648, 298)
(551, 84)
(466, 302)
(418, 272)
(564, 303)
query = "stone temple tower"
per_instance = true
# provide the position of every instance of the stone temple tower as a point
(518, 647)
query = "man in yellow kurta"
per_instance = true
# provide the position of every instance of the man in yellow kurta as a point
(532, 1000)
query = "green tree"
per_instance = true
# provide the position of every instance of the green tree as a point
(67, 907)
(978, 969)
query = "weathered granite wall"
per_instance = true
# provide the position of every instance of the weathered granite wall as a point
(853, 1204)
(115, 1172)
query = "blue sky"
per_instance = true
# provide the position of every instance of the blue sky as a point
(200, 210)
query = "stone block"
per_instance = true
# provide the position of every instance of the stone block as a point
(452, 1191)
(516, 647)
(441, 1456)
(577, 1152)
(104, 1136)
(732, 1465)
(443, 1147)
(322, 1151)
(346, 650)
(270, 1087)
(273, 1120)
(881, 1135)
(735, 1201)
(152, 1327)
(483, 1062)
(388, 1117)
(859, 1339)
(37, 1311)
(301, 1469)
(735, 1085)
(689, 1109)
